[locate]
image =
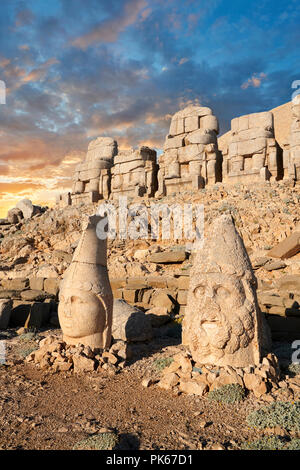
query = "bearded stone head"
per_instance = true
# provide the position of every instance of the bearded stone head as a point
(222, 320)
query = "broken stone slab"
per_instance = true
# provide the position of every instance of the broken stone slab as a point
(83, 364)
(256, 384)
(10, 294)
(129, 323)
(166, 257)
(288, 247)
(162, 299)
(259, 262)
(193, 387)
(5, 313)
(168, 381)
(36, 283)
(51, 286)
(14, 216)
(289, 283)
(274, 265)
(270, 299)
(31, 295)
(15, 284)
(28, 209)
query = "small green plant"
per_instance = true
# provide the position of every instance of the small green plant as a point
(293, 369)
(294, 444)
(24, 352)
(161, 364)
(27, 337)
(265, 443)
(103, 441)
(229, 393)
(272, 443)
(283, 414)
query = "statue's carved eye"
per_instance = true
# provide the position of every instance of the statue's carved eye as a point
(199, 291)
(222, 292)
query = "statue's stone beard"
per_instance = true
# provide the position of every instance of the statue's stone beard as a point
(228, 337)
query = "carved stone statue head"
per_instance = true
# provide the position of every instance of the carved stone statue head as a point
(222, 324)
(85, 300)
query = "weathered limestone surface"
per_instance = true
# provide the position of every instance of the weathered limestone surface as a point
(252, 153)
(134, 173)
(86, 301)
(294, 157)
(288, 247)
(191, 158)
(92, 177)
(129, 323)
(28, 209)
(223, 324)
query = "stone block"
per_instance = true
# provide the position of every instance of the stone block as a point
(10, 294)
(168, 257)
(201, 136)
(5, 313)
(15, 284)
(36, 283)
(182, 297)
(130, 295)
(210, 122)
(51, 286)
(287, 248)
(191, 123)
(174, 142)
(118, 283)
(31, 295)
(183, 282)
(289, 283)
(157, 282)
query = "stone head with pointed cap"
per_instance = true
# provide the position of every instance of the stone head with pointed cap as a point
(85, 299)
(223, 323)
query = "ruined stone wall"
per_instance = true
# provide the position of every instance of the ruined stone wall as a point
(191, 159)
(294, 160)
(134, 173)
(252, 153)
(92, 177)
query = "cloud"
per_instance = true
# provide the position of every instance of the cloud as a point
(109, 30)
(255, 81)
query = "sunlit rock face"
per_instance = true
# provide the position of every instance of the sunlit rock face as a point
(223, 324)
(85, 300)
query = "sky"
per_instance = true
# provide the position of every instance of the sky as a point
(78, 69)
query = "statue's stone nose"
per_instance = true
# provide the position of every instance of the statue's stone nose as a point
(68, 311)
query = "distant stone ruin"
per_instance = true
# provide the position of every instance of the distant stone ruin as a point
(134, 173)
(191, 159)
(253, 153)
(294, 160)
(92, 177)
